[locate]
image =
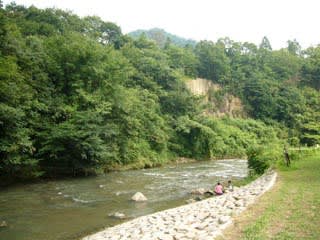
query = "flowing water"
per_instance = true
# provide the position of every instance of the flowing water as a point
(68, 209)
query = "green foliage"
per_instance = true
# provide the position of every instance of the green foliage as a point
(311, 132)
(16, 148)
(77, 96)
(311, 68)
(216, 96)
(285, 65)
(262, 157)
(182, 59)
(214, 63)
(268, 82)
(282, 204)
(220, 138)
(143, 134)
(74, 144)
(103, 32)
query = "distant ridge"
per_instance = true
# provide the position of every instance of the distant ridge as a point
(160, 36)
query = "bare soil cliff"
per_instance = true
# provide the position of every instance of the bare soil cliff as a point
(218, 103)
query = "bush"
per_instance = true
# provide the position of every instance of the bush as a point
(260, 158)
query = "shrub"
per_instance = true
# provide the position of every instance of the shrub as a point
(260, 158)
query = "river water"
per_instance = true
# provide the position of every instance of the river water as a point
(69, 209)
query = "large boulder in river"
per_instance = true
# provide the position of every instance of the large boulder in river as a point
(3, 224)
(139, 197)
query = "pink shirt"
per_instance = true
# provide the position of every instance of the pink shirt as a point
(218, 189)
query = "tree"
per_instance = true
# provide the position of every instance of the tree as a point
(265, 44)
(182, 59)
(311, 68)
(294, 47)
(309, 121)
(214, 63)
(260, 96)
(16, 151)
(77, 144)
(103, 32)
(284, 66)
(3, 20)
(76, 96)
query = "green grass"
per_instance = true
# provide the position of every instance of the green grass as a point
(291, 210)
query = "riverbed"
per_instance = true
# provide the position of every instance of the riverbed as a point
(68, 209)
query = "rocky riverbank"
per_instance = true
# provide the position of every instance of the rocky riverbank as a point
(201, 220)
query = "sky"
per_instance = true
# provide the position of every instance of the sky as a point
(240, 20)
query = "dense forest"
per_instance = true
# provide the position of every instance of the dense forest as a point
(79, 97)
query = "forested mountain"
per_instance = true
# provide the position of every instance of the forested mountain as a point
(161, 37)
(78, 97)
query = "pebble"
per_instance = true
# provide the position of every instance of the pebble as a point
(205, 219)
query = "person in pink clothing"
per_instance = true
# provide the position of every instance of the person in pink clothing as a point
(218, 189)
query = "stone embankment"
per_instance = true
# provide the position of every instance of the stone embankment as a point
(200, 220)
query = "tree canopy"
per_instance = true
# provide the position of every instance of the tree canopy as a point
(77, 96)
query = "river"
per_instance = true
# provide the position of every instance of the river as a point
(68, 209)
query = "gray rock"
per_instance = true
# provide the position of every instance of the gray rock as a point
(227, 203)
(202, 220)
(139, 197)
(118, 215)
(190, 235)
(239, 203)
(199, 191)
(198, 198)
(224, 219)
(190, 201)
(236, 197)
(201, 226)
(3, 224)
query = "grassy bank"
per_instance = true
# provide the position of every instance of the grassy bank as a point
(291, 209)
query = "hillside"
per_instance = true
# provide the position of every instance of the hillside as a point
(78, 97)
(160, 36)
(218, 102)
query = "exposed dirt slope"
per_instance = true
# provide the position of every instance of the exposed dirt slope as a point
(218, 103)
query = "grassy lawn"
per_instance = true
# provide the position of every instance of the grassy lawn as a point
(291, 210)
